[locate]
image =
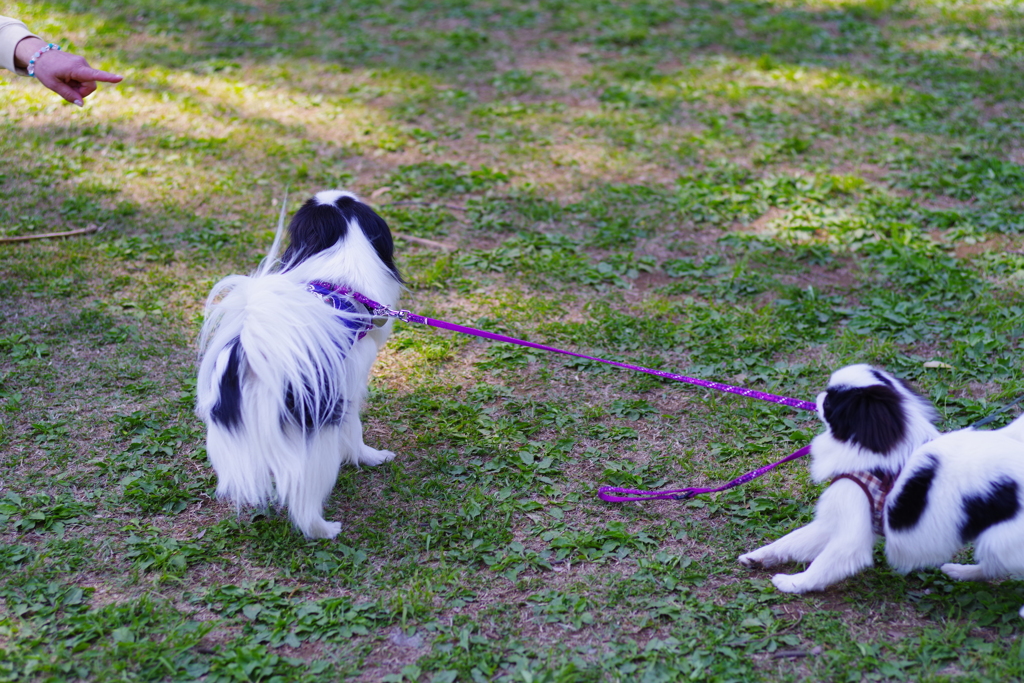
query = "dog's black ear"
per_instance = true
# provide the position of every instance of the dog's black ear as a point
(317, 226)
(314, 228)
(871, 417)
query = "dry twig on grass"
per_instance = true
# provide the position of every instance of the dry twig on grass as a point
(52, 235)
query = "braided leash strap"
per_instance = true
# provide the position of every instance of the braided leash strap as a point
(406, 316)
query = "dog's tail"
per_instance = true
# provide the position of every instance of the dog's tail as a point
(272, 372)
(272, 259)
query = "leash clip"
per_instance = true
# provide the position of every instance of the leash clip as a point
(384, 311)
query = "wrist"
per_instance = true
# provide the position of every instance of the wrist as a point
(37, 55)
(25, 48)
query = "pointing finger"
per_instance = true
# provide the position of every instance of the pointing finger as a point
(86, 73)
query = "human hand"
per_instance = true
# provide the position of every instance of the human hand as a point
(66, 74)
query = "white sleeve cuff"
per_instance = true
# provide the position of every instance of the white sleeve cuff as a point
(10, 35)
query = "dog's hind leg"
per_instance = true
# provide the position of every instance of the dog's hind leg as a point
(965, 572)
(306, 481)
(974, 572)
(999, 553)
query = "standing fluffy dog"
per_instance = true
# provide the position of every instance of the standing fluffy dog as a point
(286, 358)
(965, 486)
(873, 423)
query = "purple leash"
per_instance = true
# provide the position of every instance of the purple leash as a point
(608, 493)
(379, 310)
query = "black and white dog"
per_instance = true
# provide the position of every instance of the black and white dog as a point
(964, 486)
(873, 423)
(286, 358)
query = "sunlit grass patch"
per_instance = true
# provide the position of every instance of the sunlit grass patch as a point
(738, 79)
(865, 8)
(189, 132)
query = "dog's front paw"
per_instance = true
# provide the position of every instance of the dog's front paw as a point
(789, 583)
(751, 561)
(371, 457)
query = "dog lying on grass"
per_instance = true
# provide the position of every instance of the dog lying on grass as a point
(873, 423)
(286, 358)
(893, 474)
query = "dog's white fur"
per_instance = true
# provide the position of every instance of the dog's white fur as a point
(839, 542)
(296, 359)
(976, 480)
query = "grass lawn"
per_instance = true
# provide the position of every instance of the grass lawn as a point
(751, 191)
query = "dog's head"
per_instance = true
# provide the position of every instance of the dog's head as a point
(873, 420)
(324, 222)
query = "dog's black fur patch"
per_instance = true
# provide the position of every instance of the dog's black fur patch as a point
(905, 512)
(228, 411)
(871, 417)
(998, 505)
(314, 413)
(316, 227)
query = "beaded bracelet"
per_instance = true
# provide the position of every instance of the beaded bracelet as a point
(32, 62)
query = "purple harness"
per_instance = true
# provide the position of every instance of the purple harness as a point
(341, 300)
